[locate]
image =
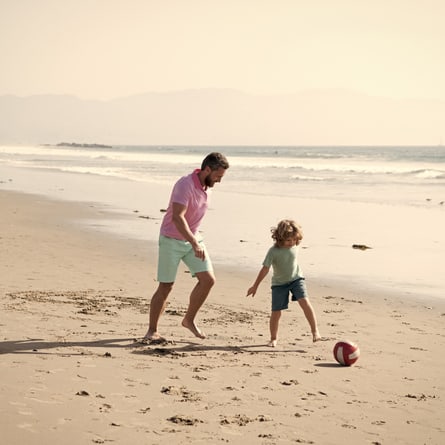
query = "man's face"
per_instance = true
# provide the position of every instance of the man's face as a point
(214, 176)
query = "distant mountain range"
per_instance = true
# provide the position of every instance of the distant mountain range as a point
(223, 117)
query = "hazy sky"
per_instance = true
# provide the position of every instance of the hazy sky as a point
(102, 49)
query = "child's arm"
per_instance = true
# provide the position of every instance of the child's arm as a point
(261, 275)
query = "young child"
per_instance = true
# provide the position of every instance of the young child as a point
(287, 277)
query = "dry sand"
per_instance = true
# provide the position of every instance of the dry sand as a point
(73, 301)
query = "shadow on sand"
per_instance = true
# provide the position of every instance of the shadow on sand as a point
(166, 348)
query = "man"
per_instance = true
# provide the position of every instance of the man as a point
(179, 240)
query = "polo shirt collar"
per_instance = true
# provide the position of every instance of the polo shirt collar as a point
(196, 180)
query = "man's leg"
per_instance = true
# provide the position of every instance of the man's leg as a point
(199, 294)
(157, 306)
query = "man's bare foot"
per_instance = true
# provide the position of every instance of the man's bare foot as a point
(193, 328)
(153, 336)
(272, 344)
(316, 336)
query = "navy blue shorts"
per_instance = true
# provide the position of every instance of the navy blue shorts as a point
(280, 293)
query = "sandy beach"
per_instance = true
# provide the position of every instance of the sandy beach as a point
(74, 301)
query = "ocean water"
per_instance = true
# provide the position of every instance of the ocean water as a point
(389, 198)
(412, 175)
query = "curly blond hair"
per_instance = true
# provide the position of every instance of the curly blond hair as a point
(287, 228)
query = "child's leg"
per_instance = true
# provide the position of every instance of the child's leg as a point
(273, 325)
(310, 317)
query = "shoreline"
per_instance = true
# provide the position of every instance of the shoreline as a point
(74, 299)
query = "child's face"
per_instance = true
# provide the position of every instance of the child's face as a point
(289, 242)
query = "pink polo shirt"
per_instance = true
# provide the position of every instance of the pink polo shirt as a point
(189, 192)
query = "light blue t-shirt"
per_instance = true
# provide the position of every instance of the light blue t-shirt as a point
(284, 262)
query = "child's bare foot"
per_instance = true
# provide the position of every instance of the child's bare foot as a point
(316, 336)
(193, 328)
(272, 344)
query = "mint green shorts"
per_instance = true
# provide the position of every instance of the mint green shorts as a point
(172, 252)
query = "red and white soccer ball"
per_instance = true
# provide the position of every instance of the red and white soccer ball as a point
(346, 353)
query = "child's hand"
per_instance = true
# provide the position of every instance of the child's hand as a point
(251, 291)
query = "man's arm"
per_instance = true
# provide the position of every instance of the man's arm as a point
(178, 218)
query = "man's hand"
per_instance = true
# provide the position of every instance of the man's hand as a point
(199, 252)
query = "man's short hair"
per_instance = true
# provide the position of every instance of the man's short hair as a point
(215, 161)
